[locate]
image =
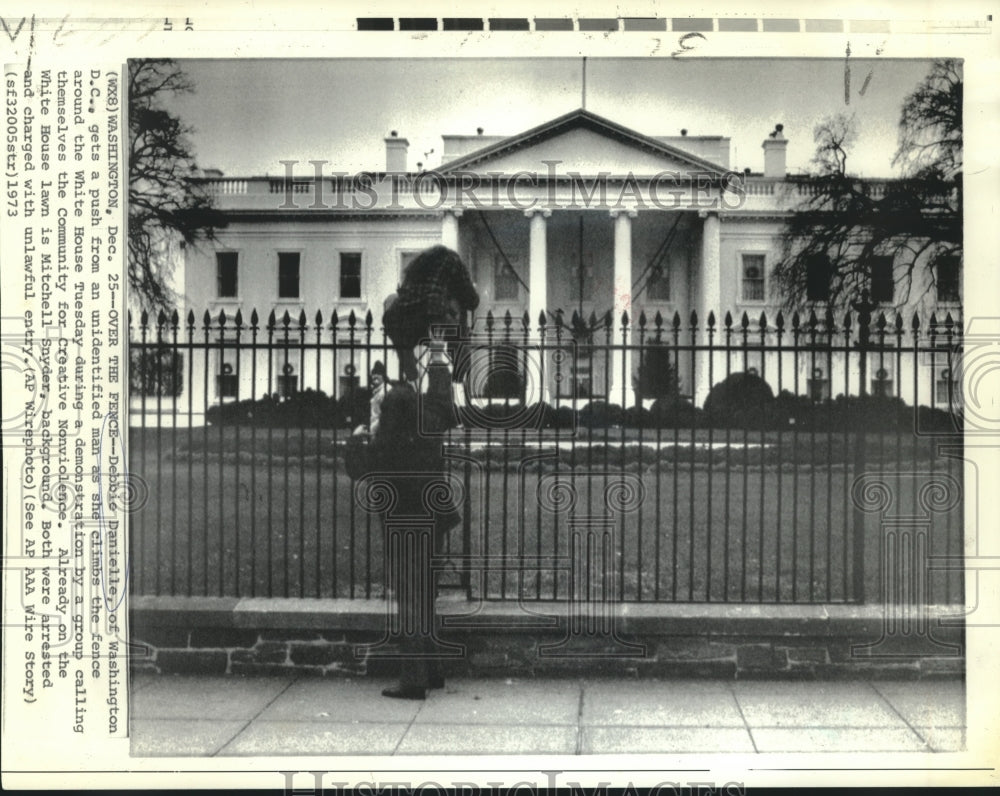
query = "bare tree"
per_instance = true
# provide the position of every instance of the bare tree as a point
(167, 202)
(844, 224)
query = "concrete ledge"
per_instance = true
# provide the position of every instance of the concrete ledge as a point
(337, 637)
(499, 616)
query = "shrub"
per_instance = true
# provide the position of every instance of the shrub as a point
(675, 412)
(742, 400)
(638, 417)
(309, 409)
(600, 414)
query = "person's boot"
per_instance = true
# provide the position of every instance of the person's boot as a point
(405, 692)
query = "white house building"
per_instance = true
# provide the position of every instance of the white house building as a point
(579, 214)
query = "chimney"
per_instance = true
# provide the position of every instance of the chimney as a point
(395, 152)
(774, 153)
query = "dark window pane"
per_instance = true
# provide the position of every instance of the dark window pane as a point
(350, 275)
(505, 285)
(227, 274)
(659, 284)
(882, 282)
(948, 280)
(288, 275)
(753, 277)
(818, 279)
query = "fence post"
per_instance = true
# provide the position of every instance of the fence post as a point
(864, 308)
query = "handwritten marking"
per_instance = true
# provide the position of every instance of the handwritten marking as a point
(15, 34)
(685, 47)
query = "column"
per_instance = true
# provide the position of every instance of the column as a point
(709, 299)
(538, 286)
(449, 227)
(538, 268)
(622, 391)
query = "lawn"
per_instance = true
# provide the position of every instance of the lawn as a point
(274, 514)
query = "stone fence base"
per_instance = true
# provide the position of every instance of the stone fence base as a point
(350, 638)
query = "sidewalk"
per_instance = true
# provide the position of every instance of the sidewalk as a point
(230, 716)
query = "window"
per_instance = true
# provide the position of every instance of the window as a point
(882, 283)
(818, 278)
(948, 279)
(350, 275)
(225, 382)
(658, 287)
(505, 283)
(753, 277)
(227, 274)
(156, 372)
(881, 385)
(818, 386)
(947, 389)
(288, 275)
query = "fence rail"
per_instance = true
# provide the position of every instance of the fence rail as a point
(663, 461)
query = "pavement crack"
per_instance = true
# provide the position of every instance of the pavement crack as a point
(924, 740)
(256, 716)
(746, 724)
(409, 724)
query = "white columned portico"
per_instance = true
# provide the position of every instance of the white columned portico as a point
(449, 227)
(538, 269)
(622, 391)
(710, 298)
(538, 281)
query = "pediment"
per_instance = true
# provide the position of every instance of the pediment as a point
(581, 143)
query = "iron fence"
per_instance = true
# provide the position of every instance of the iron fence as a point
(665, 460)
